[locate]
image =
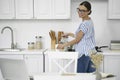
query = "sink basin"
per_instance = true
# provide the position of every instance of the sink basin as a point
(9, 49)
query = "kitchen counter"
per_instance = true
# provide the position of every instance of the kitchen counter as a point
(56, 76)
(31, 57)
(68, 76)
(58, 51)
(111, 52)
(23, 52)
(105, 51)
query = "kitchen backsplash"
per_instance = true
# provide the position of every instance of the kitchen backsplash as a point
(26, 30)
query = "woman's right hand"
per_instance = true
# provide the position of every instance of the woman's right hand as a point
(60, 46)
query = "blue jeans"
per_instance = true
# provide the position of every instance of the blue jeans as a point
(85, 65)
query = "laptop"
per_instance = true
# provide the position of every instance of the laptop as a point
(13, 69)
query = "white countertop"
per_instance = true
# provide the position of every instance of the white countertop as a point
(53, 76)
(58, 51)
(68, 76)
(111, 52)
(105, 52)
(23, 52)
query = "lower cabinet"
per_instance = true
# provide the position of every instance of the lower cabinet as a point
(112, 65)
(34, 64)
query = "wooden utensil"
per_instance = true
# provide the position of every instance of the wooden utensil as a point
(53, 39)
(60, 33)
(50, 35)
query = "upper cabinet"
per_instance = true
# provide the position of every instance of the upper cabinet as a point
(61, 9)
(35, 9)
(42, 9)
(16, 9)
(114, 9)
(7, 9)
(24, 9)
(52, 9)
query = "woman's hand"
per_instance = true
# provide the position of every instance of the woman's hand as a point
(60, 46)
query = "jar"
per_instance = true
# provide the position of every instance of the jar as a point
(31, 45)
(38, 44)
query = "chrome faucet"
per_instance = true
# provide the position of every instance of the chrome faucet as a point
(12, 38)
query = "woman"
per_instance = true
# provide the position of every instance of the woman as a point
(84, 39)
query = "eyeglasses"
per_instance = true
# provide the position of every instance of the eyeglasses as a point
(82, 11)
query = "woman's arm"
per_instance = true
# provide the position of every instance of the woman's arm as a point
(76, 40)
(68, 34)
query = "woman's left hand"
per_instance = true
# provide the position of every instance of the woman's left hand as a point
(60, 46)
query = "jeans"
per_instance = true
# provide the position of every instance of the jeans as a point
(85, 65)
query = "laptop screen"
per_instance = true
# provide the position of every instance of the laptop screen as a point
(13, 69)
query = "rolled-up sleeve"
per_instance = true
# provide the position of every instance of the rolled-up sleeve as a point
(83, 28)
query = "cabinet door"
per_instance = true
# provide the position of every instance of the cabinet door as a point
(7, 9)
(34, 64)
(42, 9)
(61, 9)
(114, 9)
(24, 9)
(112, 65)
(1, 76)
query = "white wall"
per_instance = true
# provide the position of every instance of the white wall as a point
(26, 30)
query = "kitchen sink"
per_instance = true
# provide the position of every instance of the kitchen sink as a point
(9, 49)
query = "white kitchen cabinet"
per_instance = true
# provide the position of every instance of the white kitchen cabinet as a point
(24, 9)
(35, 9)
(34, 63)
(1, 76)
(52, 9)
(112, 65)
(61, 9)
(7, 10)
(33, 59)
(16, 9)
(42, 9)
(114, 9)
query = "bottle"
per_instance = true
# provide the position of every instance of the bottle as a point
(38, 44)
(31, 45)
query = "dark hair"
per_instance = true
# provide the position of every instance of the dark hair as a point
(87, 5)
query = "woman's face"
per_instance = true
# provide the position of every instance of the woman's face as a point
(82, 11)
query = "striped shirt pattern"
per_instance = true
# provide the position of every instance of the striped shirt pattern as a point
(87, 43)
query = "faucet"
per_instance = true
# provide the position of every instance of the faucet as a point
(12, 38)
